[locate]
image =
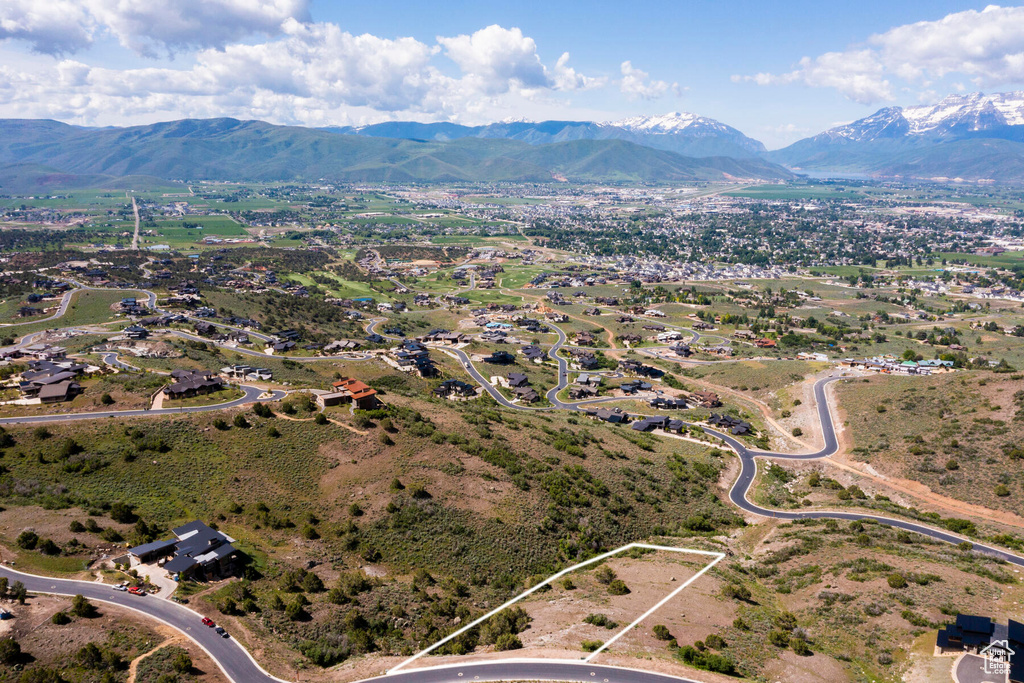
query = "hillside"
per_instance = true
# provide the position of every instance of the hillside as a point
(227, 149)
(680, 132)
(964, 136)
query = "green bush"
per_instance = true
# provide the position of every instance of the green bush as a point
(618, 587)
(591, 645)
(661, 632)
(897, 581)
(778, 638)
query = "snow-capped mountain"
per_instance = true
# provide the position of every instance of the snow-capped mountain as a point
(669, 123)
(680, 132)
(955, 116)
(979, 136)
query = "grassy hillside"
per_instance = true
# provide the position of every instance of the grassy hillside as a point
(227, 149)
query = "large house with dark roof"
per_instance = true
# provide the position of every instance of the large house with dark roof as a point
(197, 551)
(193, 383)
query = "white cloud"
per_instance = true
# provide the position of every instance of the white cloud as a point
(986, 46)
(313, 73)
(637, 84)
(145, 26)
(54, 27)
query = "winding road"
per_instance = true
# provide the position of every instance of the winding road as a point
(239, 666)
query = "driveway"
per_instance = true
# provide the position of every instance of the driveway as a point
(971, 669)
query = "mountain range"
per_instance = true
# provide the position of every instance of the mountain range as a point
(680, 132)
(40, 153)
(973, 137)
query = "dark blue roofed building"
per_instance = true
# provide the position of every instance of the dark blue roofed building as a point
(197, 551)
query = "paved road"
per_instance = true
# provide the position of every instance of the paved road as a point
(251, 395)
(62, 308)
(135, 237)
(240, 667)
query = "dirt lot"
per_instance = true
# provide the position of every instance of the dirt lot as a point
(132, 636)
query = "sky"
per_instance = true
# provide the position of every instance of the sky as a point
(776, 71)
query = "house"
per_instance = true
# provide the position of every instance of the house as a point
(613, 415)
(454, 389)
(632, 367)
(197, 551)
(706, 399)
(635, 386)
(735, 425)
(526, 394)
(499, 358)
(340, 345)
(681, 350)
(970, 633)
(534, 353)
(204, 329)
(650, 423)
(65, 390)
(668, 403)
(583, 339)
(579, 393)
(135, 332)
(347, 390)
(517, 379)
(280, 346)
(412, 356)
(192, 383)
(765, 343)
(589, 380)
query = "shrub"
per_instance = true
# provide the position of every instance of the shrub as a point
(661, 632)
(220, 424)
(60, 618)
(272, 432)
(310, 533)
(778, 638)
(27, 540)
(321, 419)
(897, 581)
(295, 611)
(106, 399)
(42, 433)
(48, 547)
(591, 645)
(240, 421)
(76, 527)
(604, 574)
(714, 641)
(227, 606)
(81, 607)
(797, 431)
(800, 647)
(182, 663)
(618, 587)
(1002, 490)
(122, 512)
(952, 465)
(737, 591)
(508, 641)
(10, 651)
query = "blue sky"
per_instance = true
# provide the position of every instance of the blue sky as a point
(776, 71)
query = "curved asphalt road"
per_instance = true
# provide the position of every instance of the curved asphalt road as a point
(252, 395)
(239, 666)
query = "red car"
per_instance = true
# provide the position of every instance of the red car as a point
(207, 621)
(136, 590)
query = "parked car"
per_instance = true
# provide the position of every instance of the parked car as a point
(221, 632)
(207, 621)
(137, 590)
(121, 587)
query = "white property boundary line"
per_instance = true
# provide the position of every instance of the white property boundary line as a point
(718, 557)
